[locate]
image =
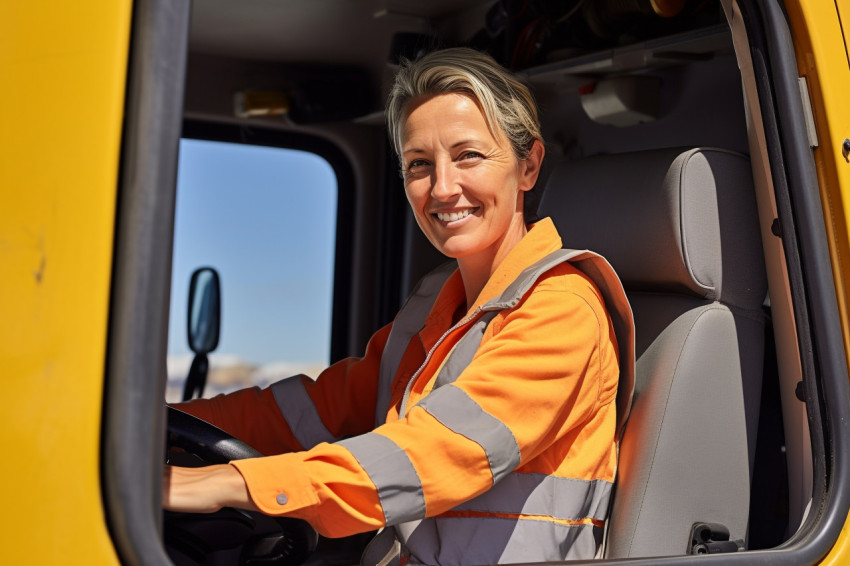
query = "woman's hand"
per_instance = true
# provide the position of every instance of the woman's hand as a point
(204, 490)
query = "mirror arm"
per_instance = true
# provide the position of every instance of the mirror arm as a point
(197, 379)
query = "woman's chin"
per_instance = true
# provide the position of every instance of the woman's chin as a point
(456, 248)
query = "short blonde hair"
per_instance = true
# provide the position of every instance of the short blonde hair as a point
(506, 102)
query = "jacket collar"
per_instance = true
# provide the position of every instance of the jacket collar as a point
(541, 240)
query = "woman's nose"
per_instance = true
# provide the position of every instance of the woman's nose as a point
(444, 182)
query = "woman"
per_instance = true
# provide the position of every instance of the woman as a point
(481, 422)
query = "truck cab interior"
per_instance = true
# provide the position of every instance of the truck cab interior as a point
(678, 145)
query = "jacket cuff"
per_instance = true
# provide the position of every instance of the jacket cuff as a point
(279, 485)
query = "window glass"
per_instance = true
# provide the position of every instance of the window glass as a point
(265, 219)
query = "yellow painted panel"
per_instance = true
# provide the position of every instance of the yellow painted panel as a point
(63, 68)
(822, 59)
(843, 7)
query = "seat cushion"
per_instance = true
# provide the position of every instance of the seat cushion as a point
(686, 452)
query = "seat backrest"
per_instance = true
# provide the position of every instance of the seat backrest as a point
(681, 229)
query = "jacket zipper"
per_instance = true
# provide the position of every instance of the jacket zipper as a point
(464, 321)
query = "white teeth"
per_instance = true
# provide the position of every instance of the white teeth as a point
(453, 216)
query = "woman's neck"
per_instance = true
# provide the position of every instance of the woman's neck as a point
(476, 269)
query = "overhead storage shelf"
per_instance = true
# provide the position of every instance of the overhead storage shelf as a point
(696, 45)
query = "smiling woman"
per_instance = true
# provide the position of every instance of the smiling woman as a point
(456, 453)
(465, 185)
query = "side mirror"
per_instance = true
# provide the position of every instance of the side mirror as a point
(203, 324)
(204, 310)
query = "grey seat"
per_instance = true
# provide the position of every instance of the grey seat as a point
(681, 229)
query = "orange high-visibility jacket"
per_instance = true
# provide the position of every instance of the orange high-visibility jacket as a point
(512, 457)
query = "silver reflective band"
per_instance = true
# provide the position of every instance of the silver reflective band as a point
(566, 499)
(458, 412)
(389, 468)
(300, 413)
(410, 320)
(497, 540)
(597, 268)
(463, 352)
(529, 276)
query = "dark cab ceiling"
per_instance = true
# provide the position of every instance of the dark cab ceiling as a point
(269, 44)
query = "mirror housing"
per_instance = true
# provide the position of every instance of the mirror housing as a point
(204, 316)
(203, 324)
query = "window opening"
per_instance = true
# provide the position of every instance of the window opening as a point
(265, 219)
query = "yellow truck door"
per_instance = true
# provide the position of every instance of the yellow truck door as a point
(91, 101)
(62, 103)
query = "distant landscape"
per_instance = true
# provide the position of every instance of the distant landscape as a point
(229, 373)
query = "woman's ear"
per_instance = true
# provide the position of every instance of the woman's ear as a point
(530, 166)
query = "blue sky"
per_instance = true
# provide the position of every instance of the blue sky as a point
(265, 218)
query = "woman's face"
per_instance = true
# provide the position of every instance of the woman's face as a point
(465, 185)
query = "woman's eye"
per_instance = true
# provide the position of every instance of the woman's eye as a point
(415, 168)
(471, 155)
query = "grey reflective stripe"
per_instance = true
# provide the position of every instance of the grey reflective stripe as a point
(538, 494)
(600, 271)
(458, 412)
(498, 540)
(464, 350)
(567, 502)
(395, 478)
(409, 321)
(300, 413)
(529, 276)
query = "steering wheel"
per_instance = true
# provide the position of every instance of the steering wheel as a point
(204, 440)
(230, 535)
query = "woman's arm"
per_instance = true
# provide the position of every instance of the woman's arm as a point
(204, 490)
(341, 402)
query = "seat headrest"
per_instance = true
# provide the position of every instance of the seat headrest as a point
(669, 220)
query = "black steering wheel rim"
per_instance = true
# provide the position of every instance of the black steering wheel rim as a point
(205, 440)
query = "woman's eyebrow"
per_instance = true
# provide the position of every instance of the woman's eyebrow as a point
(455, 145)
(464, 142)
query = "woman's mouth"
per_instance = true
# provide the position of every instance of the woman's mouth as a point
(454, 216)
